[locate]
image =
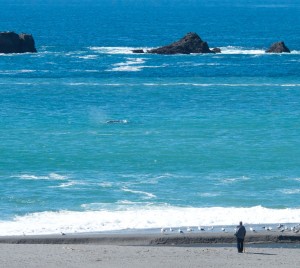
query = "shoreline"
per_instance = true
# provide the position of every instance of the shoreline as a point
(161, 239)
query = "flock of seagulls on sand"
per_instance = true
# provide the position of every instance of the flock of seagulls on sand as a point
(188, 229)
(280, 228)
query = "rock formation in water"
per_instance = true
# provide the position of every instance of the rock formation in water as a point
(278, 47)
(11, 42)
(190, 43)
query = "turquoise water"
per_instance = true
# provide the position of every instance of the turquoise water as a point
(96, 138)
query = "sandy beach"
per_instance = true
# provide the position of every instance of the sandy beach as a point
(139, 250)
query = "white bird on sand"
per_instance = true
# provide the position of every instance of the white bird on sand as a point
(201, 228)
(252, 229)
(163, 230)
(180, 231)
(189, 229)
(223, 229)
(269, 228)
(210, 228)
(279, 226)
(171, 230)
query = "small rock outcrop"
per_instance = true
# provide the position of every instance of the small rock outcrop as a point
(190, 43)
(216, 50)
(11, 42)
(278, 47)
(137, 51)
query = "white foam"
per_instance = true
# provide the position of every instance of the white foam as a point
(131, 65)
(82, 84)
(148, 217)
(295, 52)
(69, 184)
(146, 194)
(126, 69)
(290, 191)
(112, 50)
(51, 176)
(88, 57)
(240, 50)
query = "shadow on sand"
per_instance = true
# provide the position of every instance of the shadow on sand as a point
(259, 253)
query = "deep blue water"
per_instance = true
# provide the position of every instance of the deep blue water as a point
(96, 138)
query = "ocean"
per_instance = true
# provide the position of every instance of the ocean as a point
(95, 138)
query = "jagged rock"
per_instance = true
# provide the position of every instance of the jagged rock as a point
(190, 43)
(11, 42)
(216, 50)
(278, 47)
(137, 51)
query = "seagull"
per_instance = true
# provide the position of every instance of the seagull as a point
(171, 230)
(269, 228)
(223, 229)
(201, 228)
(189, 229)
(180, 231)
(162, 230)
(252, 229)
(280, 226)
(62, 233)
(210, 228)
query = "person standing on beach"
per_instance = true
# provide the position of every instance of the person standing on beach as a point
(240, 236)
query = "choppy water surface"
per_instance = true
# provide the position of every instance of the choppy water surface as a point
(97, 138)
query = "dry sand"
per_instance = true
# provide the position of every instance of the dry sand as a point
(86, 255)
(146, 251)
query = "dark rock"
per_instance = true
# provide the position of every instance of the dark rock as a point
(278, 47)
(138, 51)
(11, 42)
(216, 50)
(190, 43)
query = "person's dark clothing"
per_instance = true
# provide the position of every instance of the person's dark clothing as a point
(240, 245)
(240, 235)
